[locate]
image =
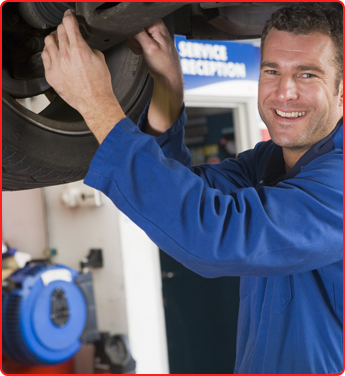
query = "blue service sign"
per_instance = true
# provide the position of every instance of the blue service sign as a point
(207, 62)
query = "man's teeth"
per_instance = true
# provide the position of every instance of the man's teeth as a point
(290, 114)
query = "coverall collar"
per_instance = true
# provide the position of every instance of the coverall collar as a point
(274, 170)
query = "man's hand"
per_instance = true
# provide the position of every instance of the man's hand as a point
(163, 64)
(81, 77)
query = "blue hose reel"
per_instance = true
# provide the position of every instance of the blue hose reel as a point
(48, 311)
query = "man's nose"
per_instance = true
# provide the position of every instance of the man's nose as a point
(287, 89)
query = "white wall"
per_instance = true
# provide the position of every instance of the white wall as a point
(128, 288)
(23, 221)
(73, 232)
(145, 312)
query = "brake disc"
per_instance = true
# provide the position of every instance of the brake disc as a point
(44, 15)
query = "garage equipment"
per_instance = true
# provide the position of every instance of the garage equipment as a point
(113, 355)
(48, 311)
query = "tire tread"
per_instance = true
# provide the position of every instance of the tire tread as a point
(19, 171)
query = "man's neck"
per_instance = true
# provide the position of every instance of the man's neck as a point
(291, 157)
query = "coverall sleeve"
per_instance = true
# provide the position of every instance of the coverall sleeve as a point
(226, 176)
(293, 227)
(171, 141)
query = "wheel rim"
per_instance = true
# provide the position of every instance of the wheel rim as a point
(128, 79)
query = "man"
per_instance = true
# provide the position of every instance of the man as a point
(273, 216)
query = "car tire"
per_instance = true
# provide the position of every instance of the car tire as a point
(55, 146)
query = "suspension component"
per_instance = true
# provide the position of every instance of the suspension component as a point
(44, 15)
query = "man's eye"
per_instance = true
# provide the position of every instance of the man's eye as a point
(271, 72)
(308, 75)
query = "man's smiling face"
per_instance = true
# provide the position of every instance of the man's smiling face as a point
(297, 94)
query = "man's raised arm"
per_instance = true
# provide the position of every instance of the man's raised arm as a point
(81, 77)
(163, 64)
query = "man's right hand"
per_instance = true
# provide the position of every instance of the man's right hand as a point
(81, 77)
(163, 64)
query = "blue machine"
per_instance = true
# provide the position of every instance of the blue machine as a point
(47, 312)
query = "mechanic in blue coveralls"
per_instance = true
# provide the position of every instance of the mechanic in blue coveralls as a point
(272, 217)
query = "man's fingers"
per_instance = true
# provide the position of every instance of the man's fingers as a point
(51, 45)
(62, 37)
(158, 26)
(147, 43)
(47, 61)
(72, 28)
(158, 31)
(134, 45)
(98, 53)
(55, 37)
(153, 35)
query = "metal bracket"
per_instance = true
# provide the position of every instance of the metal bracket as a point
(106, 24)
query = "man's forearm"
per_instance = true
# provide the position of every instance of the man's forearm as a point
(103, 120)
(163, 64)
(165, 107)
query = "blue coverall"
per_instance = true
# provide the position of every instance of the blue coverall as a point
(281, 233)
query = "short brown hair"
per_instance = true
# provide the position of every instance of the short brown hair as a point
(306, 18)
